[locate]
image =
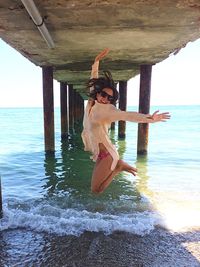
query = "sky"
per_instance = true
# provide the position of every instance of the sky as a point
(175, 81)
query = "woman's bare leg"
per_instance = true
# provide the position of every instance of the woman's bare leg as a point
(103, 176)
(100, 173)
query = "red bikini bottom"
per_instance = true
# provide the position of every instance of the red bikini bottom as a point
(103, 155)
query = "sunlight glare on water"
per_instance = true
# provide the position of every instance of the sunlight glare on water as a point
(179, 211)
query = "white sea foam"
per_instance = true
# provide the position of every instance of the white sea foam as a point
(45, 218)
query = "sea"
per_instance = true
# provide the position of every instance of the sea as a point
(50, 193)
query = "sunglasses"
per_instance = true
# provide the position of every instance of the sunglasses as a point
(104, 94)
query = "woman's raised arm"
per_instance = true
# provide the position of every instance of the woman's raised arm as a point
(95, 66)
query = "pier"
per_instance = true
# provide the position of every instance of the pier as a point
(63, 39)
(49, 216)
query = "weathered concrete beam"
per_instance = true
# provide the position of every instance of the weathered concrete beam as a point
(151, 31)
(79, 78)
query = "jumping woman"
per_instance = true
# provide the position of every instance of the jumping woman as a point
(100, 112)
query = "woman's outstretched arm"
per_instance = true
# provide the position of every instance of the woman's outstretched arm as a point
(113, 114)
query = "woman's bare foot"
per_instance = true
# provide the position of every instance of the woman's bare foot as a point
(123, 166)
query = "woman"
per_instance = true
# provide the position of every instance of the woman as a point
(99, 114)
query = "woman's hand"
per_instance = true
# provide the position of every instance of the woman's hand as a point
(156, 116)
(102, 54)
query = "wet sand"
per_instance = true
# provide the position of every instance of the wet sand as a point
(120, 249)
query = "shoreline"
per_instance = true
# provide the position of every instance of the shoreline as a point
(21, 247)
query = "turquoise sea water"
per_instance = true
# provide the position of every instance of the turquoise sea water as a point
(51, 193)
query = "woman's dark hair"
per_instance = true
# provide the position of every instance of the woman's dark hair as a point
(98, 84)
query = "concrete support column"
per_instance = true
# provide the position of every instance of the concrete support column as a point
(113, 123)
(144, 107)
(112, 126)
(76, 106)
(80, 107)
(1, 202)
(63, 110)
(48, 108)
(122, 106)
(71, 106)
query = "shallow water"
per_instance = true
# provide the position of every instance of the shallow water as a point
(51, 193)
